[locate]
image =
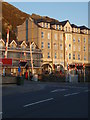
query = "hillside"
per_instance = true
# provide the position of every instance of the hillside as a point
(11, 17)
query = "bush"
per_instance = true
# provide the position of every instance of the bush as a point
(54, 78)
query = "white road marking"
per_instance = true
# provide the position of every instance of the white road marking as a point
(58, 90)
(75, 87)
(71, 94)
(38, 102)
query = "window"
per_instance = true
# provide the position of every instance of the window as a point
(70, 46)
(89, 40)
(55, 55)
(59, 27)
(79, 40)
(73, 56)
(84, 40)
(66, 29)
(73, 39)
(48, 45)
(56, 26)
(89, 49)
(43, 24)
(77, 29)
(78, 57)
(47, 25)
(48, 55)
(42, 34)
(48, 35)
(73, 48)
(66, 37)
(84, 48)
(55, 46)
(61, 55)
(69, 55)
(69, 37)
(79, 48)
(42, 45)
(61, 36)
(89, 58)
(12, 46)
(61, 48)
(23, 46)
(55, 36)
(84, 57)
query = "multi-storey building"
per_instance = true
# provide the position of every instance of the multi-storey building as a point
(62, 43)
(19, 52)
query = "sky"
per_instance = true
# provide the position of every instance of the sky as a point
(75, 12)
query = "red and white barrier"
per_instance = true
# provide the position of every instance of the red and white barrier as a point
(7, 43)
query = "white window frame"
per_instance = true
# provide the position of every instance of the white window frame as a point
(70, 47)
(42, 45)
(74, 48)
(84, 40)
(79, 48)
(61, 55)
(78, 56)
(55, 56)
(61, 37)
(61, 47)
(78, 40)
(74, 56)
(84, 57)
(84, 48)
(59, 27)
(47, 25)
(48, 55)
(74, 40)
(42, 34)
(56, 27)
(48, 35)
(69, 56)
(48, 45)
(55, 35)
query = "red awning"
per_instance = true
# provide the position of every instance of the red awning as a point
(6, 61)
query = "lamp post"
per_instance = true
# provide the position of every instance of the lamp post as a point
(31, 58)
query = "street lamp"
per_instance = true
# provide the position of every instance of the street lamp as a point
(31, 57)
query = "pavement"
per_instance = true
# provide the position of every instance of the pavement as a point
(45, 100)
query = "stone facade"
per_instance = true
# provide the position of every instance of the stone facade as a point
(61, 42)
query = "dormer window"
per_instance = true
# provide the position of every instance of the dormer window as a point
(23, 46)
(79, 40)
(84, 40)
(47, 25)
(77, 29)
(56, 26)
(66, 29)
(42, 34)
(12, 46)
(59, 27)
(43, 24)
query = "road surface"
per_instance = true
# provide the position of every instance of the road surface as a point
(52, 100)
